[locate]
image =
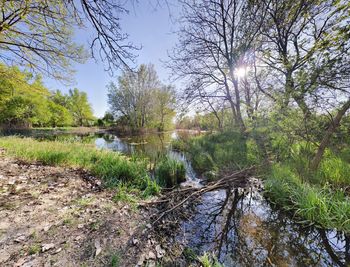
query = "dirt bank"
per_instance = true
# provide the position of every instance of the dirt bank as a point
(54, 216)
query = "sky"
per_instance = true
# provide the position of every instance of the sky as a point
(148, 26)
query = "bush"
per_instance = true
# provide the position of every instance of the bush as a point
(170, 172)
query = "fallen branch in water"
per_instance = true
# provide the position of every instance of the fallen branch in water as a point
(173, 200)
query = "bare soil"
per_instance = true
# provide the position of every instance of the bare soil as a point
(55, 216)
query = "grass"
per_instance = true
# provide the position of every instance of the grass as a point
(113, 168)
(320, 198)
(208, 261)
(320, 204)
(212, 152)
(170, 172)
(34, 249)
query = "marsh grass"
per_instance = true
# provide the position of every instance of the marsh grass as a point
(170, 172)
(316, 204)
(212, 152)
(113, 168)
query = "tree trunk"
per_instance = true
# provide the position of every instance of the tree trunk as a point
(326, 138)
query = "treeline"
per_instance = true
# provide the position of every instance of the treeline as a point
(26, 102)
(139, 100)
(275, 66)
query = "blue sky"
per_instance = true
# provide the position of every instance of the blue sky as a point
(147, 26)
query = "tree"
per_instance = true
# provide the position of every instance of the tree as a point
(304, 48)
(164, 106)
(140, 99)
(80, 108)
(59, 115)
(38, 34)
(215, 43)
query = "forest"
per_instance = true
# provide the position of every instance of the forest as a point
(238, 156)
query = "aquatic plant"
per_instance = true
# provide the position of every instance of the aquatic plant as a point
(170, 172)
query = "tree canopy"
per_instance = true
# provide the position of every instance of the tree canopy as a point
(141, 100)
(26, 102)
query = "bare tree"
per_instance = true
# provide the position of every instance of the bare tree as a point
(216, 37)
(301, 50)
(39, 34)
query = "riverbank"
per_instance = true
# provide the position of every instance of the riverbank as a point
(54, 213)
(320, 198)
(57, 216)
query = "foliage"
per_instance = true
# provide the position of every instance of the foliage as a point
(25, 102)
(170, 172)
(312, 204)
(140, 100)
(221, 150)
(80, 108)
(39, 34)
(208, 261)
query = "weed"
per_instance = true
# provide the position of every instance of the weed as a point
(34, 249)
(208, 261)
(115, 260)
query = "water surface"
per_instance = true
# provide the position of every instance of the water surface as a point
(238, 226)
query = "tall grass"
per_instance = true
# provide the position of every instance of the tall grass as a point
(170, 172)
(212, 152)
(113, 168)
(314, 204)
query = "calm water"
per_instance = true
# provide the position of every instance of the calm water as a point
(238, 226)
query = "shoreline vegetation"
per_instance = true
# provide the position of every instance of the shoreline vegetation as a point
(313, 198)
(129, 174)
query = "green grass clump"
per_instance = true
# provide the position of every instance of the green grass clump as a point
(335, 171)
(179, 144)
(113, 168)
(313, 204)
(208, 261)
(34, 249)
(222, 150)
(170, 172)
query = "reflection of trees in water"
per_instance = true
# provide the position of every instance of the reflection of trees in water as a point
(241, 229)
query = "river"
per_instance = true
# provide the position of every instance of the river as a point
(238, 226)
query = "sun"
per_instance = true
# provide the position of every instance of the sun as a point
(241, 72)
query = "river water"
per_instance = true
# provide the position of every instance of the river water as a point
(239, 227)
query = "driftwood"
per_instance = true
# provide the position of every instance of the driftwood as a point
(171, 201)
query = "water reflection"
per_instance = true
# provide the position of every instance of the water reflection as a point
(239, 226)
(243, 230)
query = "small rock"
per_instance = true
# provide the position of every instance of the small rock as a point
(20, 239)
(58, 250)
(151, 256)
(77, 238)
(135, 241)
(46, 247)
(160, 252)
(149, 226)
(98, 247)
(80, 226)
(47, 228)
(4, 256)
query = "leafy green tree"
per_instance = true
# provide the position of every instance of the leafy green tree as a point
(80, 108)
(18, 111)
(59, 115)
(141, 100)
